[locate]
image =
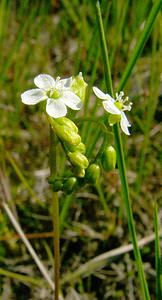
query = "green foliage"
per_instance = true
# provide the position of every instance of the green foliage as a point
(61, 38)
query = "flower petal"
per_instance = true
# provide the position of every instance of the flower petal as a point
(56, 108)
(44, 81)
(64, 83)
(110, 107)
(33, 96)
(99, 93)
(71, 100)
(124, 123)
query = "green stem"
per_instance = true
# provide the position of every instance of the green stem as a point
(65, 209)
(157, 255)
(102, 198)
(55, 216)
(125, 195)
(121, 162)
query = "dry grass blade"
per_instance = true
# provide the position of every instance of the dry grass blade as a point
(101, 260)
(19, 230)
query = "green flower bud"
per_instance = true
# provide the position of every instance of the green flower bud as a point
(69, 184)
(108, 158)
(93, 173)
(79, 172)
(65, 133)
(78, 86)
(81, 148)
(57, 185)
(113, 119)
(78, 159)
(67, 122)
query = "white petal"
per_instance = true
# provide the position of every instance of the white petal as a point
(56, 108)
(33, 96)
(110, 107)
(64, 83)
(71, 100)
(124, 123)
(99, 93)
(44, 81)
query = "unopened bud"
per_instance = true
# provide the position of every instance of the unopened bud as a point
(93, 173)
(69, 184)
(108, 158)
(57, 185)
(78, 159)
(79, 172)
(67, 122)
(81, 148)
(65, 133)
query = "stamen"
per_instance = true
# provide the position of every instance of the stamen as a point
(119, 102)
(127, 107)
(126, 99)
(57, 79)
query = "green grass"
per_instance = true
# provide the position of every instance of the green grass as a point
(61, 38)
(157, 255)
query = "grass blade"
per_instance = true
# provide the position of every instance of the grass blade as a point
(141, 42)
(20, 277)
(101, 260)
(157, 255)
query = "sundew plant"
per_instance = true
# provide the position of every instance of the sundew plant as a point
(80, 150)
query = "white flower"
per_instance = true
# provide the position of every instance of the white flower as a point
(57, 93)
(115, 107)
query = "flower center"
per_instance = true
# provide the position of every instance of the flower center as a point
(119, 105)
(55, 94)
(120, 102)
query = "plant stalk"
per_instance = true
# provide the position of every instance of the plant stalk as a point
(55, 215)
(157, 254)
(121, 161)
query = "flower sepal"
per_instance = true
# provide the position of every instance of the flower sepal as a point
(113, 119)
(78, 86)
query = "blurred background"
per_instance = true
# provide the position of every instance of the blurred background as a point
(60, 38)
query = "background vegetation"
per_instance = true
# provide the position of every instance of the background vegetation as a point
(60, 38)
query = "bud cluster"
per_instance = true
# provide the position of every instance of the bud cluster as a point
(67, 132)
